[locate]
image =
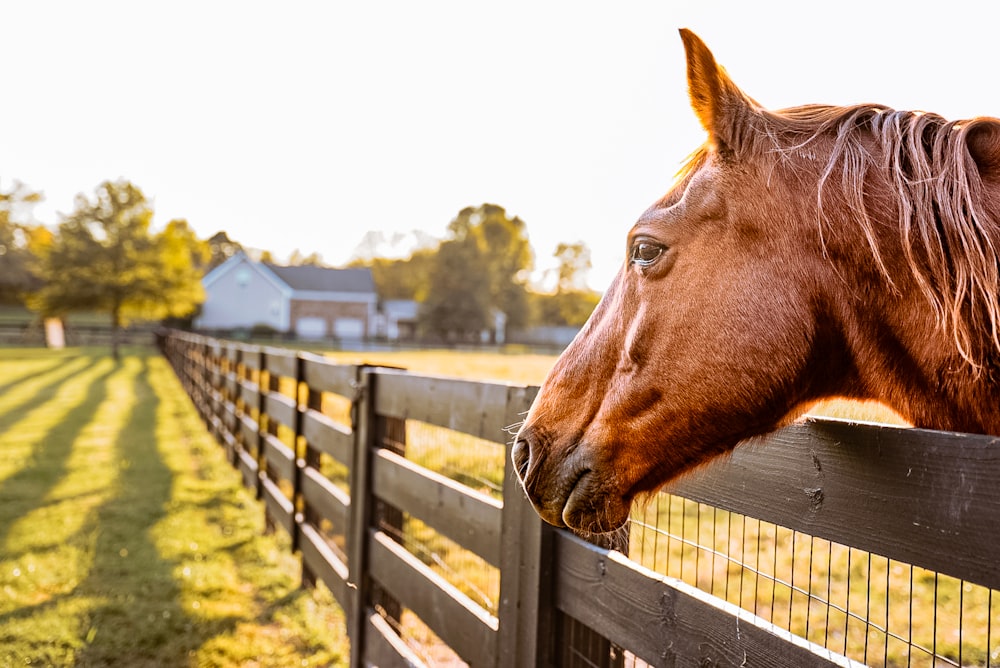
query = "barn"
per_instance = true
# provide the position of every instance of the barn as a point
(307, 301)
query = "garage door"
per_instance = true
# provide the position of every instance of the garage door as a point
(349, 328)
(310, 328)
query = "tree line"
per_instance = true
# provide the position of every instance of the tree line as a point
(106, 257)
(483, 265)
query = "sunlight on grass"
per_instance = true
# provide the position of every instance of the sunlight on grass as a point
(125, 538)
(526, 369)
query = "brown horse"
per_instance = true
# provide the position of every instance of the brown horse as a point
(805, 253)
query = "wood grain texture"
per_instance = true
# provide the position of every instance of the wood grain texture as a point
(453, 616)
(322, 375)
(467, 517)
(328, 436)
(324, 563)
(479, 409)
(926, 498)
(325, 499)
(667, 622)
(280, 408)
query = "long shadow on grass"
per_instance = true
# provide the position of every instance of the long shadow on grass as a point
(142, 622)
(13, 380)
(29, 488)
(55, 376)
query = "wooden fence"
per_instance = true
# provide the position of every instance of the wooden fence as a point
(924, 498)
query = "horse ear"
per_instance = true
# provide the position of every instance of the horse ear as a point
(718, 102)
(983, 141)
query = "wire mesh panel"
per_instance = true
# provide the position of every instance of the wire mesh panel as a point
(474, 463)
(869, 608)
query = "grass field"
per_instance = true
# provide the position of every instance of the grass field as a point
(125, 537)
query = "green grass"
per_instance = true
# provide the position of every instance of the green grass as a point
(125, 537)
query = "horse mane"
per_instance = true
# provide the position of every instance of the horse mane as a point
(948, 229)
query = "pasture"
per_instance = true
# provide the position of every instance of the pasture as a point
(126, 539)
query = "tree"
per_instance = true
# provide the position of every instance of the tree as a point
(458, 299)
(508, 260)
(570, 309)
(300, 259)
(220, 248)
(17, 261)
(572, 303)
(574, 263)
(401, 279)
(105, 258)
(486, 266)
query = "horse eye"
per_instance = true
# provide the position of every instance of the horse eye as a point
(645, 253)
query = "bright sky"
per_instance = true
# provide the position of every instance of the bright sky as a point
(301, 125)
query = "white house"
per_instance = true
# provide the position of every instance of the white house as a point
(311, 302)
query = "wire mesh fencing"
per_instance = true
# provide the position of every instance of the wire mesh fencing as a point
(874, 610)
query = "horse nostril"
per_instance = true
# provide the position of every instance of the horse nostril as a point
(521, 456)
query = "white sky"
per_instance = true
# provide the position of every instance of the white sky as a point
(301, 125)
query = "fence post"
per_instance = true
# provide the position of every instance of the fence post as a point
(371, 431)
(526, 611)
(310, 459)
(261, 422)
(297, 453)
(204, 399)
(362, 507)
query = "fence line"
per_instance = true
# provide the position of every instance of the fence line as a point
(334, 453)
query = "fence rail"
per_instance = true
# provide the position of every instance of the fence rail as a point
(327, 447)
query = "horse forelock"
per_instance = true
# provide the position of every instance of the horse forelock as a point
(949, 230)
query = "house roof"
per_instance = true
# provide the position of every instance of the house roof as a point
(241, 259)
(323, 279)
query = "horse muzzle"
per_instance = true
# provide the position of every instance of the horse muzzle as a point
(564, 487)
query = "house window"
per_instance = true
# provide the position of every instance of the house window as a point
(243, 277)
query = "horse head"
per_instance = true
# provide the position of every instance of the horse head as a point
(760, 283)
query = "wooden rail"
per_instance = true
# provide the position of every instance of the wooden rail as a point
(926, 498)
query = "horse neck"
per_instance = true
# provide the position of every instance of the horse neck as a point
(904, 358)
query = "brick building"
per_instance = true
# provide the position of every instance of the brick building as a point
(310, 302)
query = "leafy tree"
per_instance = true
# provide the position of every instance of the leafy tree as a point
(486, 266)
(574, 263)
(221, 248)
(17, 260)
(182, 260)
(508, 260)
(300, 259)
(570, 308)
(105, 258)
(458, 298)
(402, 279)
(572, 302)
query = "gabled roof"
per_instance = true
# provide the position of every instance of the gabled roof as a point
(299, 279)
(240, 259)
(323, 279)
